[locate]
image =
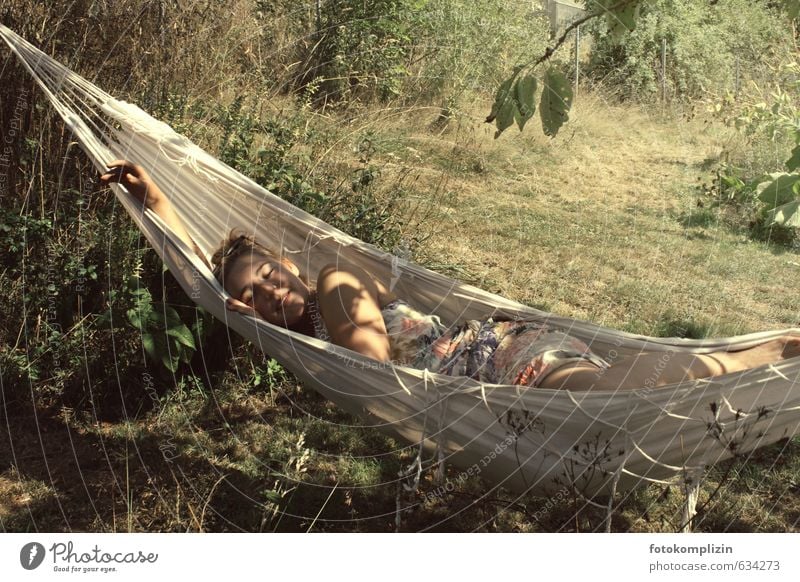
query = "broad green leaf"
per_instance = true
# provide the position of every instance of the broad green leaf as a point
(149, 343)
(500, 99)
(794, 162)
(170, 361)
(786, 214)
(525, 95)
(156, 319)
(134, 316)
(622, 19)
(779, 190)
(186, 354)
(183, 335)
(172, 316)
(203, 323)
(505, 117)
(555, 103)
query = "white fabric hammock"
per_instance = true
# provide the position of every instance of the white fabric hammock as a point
(524, 439)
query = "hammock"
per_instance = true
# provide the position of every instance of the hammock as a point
(545, 441)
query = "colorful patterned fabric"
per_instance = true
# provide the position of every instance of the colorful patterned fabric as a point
(496, 352)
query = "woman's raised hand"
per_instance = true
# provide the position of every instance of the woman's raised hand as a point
(142, 187)
(136, 181)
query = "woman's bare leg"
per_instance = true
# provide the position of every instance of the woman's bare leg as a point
(653, 369)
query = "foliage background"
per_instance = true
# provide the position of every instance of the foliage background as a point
(369, 115)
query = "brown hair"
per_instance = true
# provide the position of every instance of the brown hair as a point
(238, 244)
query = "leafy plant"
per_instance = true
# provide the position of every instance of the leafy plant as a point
(165, 337)
(769, 199)
(710, 47)
(360, 48)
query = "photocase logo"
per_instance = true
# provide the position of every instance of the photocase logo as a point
(31, 556)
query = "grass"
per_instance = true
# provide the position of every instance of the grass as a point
(600, 224)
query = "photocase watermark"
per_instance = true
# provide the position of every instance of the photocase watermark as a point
(701, 550)
(472, 471)
(651, 381)
(551, 502)
(168, 448)
(66, 558)
(8, 140)
(84, 201)
(31, 555)
(196, 278)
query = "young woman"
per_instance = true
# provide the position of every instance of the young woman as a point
(350, 308)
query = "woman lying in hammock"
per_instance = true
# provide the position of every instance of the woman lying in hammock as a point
(350, 308)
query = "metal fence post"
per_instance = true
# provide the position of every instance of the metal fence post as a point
(664, 69)
(577, 59)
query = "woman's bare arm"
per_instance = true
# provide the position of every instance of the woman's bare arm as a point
(137, 181)
(349, 304)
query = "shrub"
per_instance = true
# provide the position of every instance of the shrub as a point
(711, 47)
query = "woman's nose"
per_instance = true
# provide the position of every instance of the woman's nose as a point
(273, 291)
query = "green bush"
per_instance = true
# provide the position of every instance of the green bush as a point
(711, 48)
(758, 183)
(411, 50)
(470, 46)
(279, 152)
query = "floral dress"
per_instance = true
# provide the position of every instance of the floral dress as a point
(496, 352)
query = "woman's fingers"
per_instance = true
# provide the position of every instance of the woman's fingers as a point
(133, 177)
(121, 177)
(236, 305)
(123, 171)
(136, 181)
(126, 166)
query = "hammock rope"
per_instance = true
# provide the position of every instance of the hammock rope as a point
(539, 440)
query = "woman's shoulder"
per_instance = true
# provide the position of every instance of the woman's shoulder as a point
(343, 273)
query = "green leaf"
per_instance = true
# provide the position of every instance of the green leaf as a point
(186, 354)
(525, 96)
(170, 362)
(794, 162)
(779, 190)
(505, 117)
(172, 316)
(183, 335)
(149, 343)
(622, 20)
(503, 108)
(273, 497)
(134, 316)
(499, 100)
(555, 103)
(156, 319)
(786, 214)
(203, 323)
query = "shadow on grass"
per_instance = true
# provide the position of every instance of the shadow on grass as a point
(777, 239)
(118, 478)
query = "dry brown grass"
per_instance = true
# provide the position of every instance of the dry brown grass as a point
(590, 225)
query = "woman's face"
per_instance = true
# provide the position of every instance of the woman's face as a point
(272, 288)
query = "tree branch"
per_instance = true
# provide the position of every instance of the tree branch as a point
(562, 39)
(550, 51)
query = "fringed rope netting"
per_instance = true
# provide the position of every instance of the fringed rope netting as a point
(520, 438)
